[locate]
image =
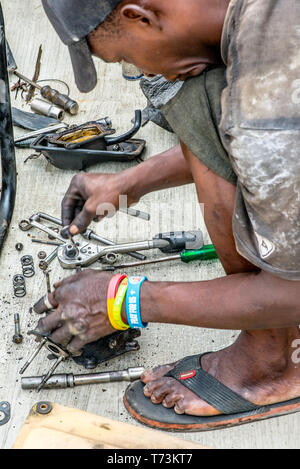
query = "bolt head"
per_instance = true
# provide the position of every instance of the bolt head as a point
(17, 339)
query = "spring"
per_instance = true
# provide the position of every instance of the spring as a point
(19, 286)
(27, 266)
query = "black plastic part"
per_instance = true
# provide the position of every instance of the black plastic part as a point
(31, 121)
(108, 347)
(8, 162)
(179, 240)
(136, 127)
(81, 159)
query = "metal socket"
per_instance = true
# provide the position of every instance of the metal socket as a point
(46, 109)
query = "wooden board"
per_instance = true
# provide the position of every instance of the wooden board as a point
(67, 428)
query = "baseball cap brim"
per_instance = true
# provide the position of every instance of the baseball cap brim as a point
(83, 66)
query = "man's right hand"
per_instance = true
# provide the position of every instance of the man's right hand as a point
(88, 192)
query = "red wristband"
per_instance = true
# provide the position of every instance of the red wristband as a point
(114, 285)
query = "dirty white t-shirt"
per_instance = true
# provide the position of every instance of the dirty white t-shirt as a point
(260, 130)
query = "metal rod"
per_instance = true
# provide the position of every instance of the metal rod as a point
(89, 234)
(50, 373)
(62, 381)
(32, 357)
(36, 133)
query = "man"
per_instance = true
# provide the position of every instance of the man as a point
(239, 134)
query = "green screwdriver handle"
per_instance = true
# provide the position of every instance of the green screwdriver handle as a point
(206, 253)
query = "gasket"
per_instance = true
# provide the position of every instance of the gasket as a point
(5, 409)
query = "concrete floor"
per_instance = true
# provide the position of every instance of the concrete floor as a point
(41, 188)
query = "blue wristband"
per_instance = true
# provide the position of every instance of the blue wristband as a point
(133, 303)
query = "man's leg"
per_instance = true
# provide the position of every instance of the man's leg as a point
(259, 364)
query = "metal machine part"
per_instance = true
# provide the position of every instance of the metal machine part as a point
(17, 338)
(46, 109)
(27, 266)
(35, 221)
(19, 286)
(85, 254)
(19, 246)
(63, 381)
(108, 347)
(36, 133)
(52, 95)
(4, 412)
(8, 162)
(57, 351)
(92, 354)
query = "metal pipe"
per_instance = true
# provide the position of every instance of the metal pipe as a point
(62, 381)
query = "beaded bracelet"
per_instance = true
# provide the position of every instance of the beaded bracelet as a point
(133, 302)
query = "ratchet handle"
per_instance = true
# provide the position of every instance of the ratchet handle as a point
(61, 100)
(180, 240)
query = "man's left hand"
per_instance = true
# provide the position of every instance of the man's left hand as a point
(80, 314)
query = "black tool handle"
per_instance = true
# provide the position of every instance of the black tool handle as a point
(61, 100)
(179, 240)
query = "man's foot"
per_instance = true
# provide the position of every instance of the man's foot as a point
(260, 366)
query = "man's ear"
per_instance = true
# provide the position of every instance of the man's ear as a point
(146, 17)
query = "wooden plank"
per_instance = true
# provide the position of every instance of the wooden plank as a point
(67, 428)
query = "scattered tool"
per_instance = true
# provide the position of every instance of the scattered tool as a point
(40, 106)
(206, 253)
(52, 95)
(84, 255)
(35, 221)
(17, 338)
(70, 380)
(55, 350)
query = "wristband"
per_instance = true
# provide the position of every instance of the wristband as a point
(133, 302)
(117, 307)
(111, 294)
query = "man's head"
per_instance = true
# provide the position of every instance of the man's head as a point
(176, 38)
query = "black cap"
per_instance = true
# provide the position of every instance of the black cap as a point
(73, 20)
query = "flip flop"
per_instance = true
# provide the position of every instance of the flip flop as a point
(235, 409)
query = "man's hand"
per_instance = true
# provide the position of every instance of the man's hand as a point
(80, 315)
(88, 195)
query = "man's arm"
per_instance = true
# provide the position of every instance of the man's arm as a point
(238, 302)
(87, 191)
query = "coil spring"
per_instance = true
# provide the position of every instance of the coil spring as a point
(19, 286)
(27, 266)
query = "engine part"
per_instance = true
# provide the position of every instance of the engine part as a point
(92, 136)
(19, 246)
(92, 354)
(27, 266)
(42, 255)
(8, 162)
(17, 338)
(4, 412)
(70, 380)
(19, 286)
(80, 159)
(44, 264)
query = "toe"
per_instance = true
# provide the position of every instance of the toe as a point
(155, 373)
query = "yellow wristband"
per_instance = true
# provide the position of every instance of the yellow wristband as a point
(117, 307)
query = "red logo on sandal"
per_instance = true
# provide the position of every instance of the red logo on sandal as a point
(187, 374)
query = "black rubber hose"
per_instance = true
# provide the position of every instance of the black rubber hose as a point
(8, 161)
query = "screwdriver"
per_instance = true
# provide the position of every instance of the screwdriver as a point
(206, 253)
(52, 95)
